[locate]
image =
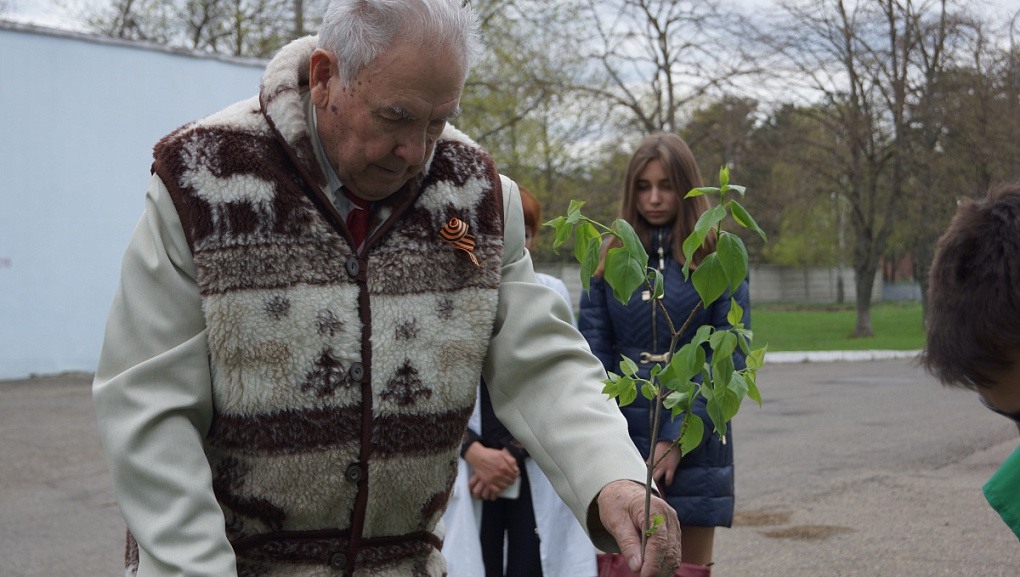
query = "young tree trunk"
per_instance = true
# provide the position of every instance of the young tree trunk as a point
(865, 280)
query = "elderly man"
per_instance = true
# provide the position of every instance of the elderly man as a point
(320, 276)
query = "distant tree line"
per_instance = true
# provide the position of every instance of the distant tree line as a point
(856, 126)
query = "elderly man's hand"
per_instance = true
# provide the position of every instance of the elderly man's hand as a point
(622, 512)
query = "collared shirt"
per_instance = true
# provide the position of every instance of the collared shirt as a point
(333, 182)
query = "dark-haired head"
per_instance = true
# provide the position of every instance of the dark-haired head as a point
(973, 316)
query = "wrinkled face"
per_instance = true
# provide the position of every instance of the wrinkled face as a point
(656, 200)
(381, 131)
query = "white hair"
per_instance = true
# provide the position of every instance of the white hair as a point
(357, 31)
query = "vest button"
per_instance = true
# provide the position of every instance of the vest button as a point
(338, 561)
(352, 266)
(357, 372)
(353, 473)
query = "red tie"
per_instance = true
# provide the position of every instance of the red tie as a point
(357, 219)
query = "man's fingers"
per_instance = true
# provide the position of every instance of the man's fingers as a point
(621, 510)
(662, 551)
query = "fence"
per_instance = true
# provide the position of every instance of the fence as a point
(769, 284)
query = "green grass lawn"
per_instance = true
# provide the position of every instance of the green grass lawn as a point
(897, 326)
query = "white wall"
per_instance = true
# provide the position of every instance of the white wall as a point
(78, 119)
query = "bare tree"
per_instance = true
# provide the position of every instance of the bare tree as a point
(148, 20)
(931, 198)
(203, 23)
(872, 63)
(254, 28)
(660, 57)
(519, 101)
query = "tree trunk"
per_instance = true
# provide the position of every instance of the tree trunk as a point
(299, 18)
(864, 281)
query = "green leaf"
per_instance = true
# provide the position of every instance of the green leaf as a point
(736, 315)
(563, 230)
(708, 220)
(730, 403)
(692, 435)
(686, 363)
(716, 414)
(723, 343)
(628, 366)
(744, 219)
(584, 233)
(631, 242)
(722, 370)
(744, 337)
(556, 222)
(574, 211)
(648, 391)
(696, 239)
(691, 244)
(654, 525)
(702, 335)
(752, 386)
(590, 262)
(657, 282)
(627, 397)
(739, 385)
(740, 189)
(744, 332)
(678, 402)
(733, 256)
(701, 191)
(623, 273)
(620, 388)
(710, 279)
(756, 359)
(668, 378)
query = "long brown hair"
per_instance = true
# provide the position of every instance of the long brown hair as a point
(682, 170)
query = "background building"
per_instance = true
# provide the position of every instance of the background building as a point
(78, 118)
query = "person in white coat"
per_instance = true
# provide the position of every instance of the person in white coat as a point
(502, 496)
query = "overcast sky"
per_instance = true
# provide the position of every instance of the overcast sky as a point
(55, 13)
(59, 13)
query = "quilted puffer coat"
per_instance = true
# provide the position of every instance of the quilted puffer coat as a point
(703, 486)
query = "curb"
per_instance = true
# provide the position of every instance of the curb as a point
(831, 356)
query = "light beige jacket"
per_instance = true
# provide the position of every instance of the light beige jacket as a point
(153, 395)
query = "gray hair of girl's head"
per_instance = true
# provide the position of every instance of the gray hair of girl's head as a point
(357, 31)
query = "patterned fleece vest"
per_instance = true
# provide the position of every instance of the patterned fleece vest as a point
(342, 382)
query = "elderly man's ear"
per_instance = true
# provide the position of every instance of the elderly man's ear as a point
(322, 69)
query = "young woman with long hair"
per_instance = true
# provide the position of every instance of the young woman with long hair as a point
(699, 486)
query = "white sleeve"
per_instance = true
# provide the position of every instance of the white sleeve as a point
(153, 400)
(546, 385)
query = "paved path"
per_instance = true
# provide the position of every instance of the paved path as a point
(865, 469)
(849, 469)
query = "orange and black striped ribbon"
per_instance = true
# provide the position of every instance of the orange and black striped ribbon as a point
(456, 233)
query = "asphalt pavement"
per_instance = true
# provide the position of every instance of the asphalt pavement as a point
(859, 468)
